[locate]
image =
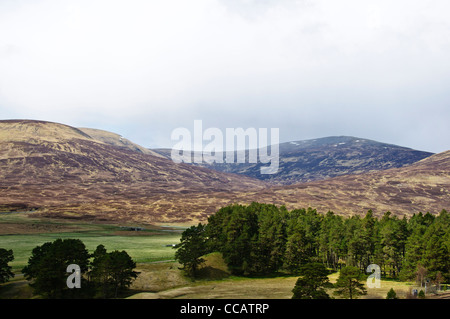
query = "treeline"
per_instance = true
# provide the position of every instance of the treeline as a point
(261, 239)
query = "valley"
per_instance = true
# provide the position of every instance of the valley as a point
(57, 171)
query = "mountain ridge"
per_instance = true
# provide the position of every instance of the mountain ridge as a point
(114, 139)
(323, 158)
(63, 172)
(53, 166)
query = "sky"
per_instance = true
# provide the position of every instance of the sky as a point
(312, 68)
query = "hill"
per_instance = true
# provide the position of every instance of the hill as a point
(420, 187)
(323, 158)
(116, 140)
(65, 172)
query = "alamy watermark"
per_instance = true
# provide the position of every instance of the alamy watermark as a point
(230, 147)
(374, 280)
(73, 280)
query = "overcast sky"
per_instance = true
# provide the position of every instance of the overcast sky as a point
(312, 68)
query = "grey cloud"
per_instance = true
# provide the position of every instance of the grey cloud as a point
(372, 69)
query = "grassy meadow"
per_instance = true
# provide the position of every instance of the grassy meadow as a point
(21, 234)
(166, 281)
(160, 276)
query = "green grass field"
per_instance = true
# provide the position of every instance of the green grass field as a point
(156, 280)
(166, 281)
(143, 246)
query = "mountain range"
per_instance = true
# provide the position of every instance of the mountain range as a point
(60, 171)
(57, 167)
(323, 158)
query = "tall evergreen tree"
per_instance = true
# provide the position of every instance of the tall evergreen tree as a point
(414, 252)
(331, 242)
(393, 240)
(436, 257)
(349, 283)
(312, 283)
(355, 241)
(241, 234)
(369, 238)
(112, 272)
(297, 253)
(191, 248)
(6, 256)
(215, 228)
(47, 267)
(436, 250)
(270, 243)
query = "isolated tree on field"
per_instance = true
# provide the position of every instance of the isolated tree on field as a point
(348, 284)
(6, 256)
(391, 294)
(311, 284)
(191, 248)
(421, 295)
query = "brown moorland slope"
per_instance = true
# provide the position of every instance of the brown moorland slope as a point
(420, 187)
(65, 172)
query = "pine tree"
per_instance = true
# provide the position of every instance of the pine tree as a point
(436, 257)
(414, 252)
(421, 294)
(112, 272)
(348, 284)
(6, 256)
(391, 294)
(270, 242)
(393, 240)
(191, 248)
(47, 266)
(241, 231)
(312, 283)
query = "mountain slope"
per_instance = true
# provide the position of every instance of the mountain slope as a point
(65, 172)
(323, 158)
(55, 166)
(420, 187)
(423, 186)
(116, 140)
